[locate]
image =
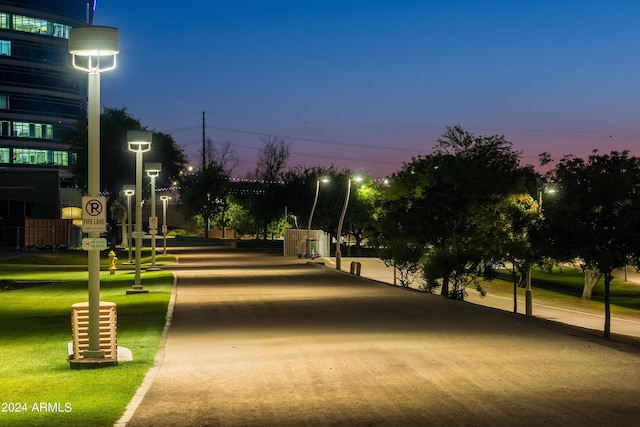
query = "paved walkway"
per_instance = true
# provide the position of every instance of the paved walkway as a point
(259, 340)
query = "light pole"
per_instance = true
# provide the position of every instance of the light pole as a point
(528, 293)
(98, 47)
(153, 170)
(344, 211)
(139, 141)
(315, 201)
(165, 199)
(129, 190)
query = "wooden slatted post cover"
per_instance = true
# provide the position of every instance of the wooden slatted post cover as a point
(80, 328)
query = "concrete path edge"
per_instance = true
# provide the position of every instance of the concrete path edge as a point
(157, 363)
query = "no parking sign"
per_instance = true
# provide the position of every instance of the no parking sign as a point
(94, 214)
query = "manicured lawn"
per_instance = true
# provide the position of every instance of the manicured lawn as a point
(563, 288)
(38, 387)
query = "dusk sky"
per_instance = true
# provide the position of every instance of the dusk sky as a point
(369, 84)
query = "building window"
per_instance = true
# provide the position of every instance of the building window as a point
(61, 31)
(5, 47)
(5, 154)
(32, 130)
(30, 156)
(4, 20)
(39, 26)
(29, 25)
(4, 102)
(61, 158)
(4, 128)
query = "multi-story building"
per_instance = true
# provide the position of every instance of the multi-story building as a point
(41, 96)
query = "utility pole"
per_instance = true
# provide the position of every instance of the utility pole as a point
(204, 152)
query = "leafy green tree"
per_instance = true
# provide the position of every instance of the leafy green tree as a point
(204, 193)
(594, 214)
(240, 219)
(442, 200)
(360, 214)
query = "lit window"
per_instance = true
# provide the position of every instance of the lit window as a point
(5, 155)
(37, 26)
(5, 47)
(32, 130)
(4, 20)
(4, 102)
(30, 25)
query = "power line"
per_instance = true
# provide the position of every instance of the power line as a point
(319, 141)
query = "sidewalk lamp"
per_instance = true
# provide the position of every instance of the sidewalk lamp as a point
(129, 190)
(315, 201)
(165, 199)
(93, 50)
(153, 170)
(344, 211)
(139, 141)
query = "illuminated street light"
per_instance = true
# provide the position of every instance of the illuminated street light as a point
(139, 141)
(315, 201)
(344, 211)
(165, 199)
(129, 190)
(153, 170)
(94, 50)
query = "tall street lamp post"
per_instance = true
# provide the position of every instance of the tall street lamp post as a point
(528, 293)
(165, 199)
(153, 170)
(94, 50)
(344, 211)
(129, 190)
(139, 141)
(315, 201)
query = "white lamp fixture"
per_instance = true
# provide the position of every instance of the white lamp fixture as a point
(95, 46)
(139, 141)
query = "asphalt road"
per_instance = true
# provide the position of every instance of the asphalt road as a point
(263, 340)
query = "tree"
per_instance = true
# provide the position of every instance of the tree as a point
(204, 193)
(359, 217)
(444, 202)
(594, 214)
(272, 159)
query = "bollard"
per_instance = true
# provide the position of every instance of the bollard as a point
(355, 268)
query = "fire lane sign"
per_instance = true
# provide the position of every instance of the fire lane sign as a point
(94, 214)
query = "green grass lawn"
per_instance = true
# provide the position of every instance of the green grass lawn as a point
(563, 288)
(38, 387)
